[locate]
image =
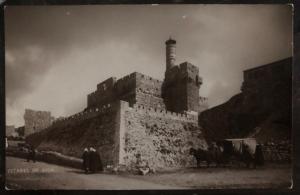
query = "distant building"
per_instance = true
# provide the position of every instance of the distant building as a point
(36, 121)
(10, 130)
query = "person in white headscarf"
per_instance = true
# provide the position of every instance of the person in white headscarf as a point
(86, 160)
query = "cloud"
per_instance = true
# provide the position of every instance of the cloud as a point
(55, 55)
(24, 69)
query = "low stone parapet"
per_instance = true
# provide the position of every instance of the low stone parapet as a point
(48, 156)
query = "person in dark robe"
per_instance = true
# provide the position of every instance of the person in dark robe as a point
(31, 153)
(259, 156)
(86, 160)
(92, 163)
(28, 152)
(95, 161)
(99, 161)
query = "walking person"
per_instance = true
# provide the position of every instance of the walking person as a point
(86, 160)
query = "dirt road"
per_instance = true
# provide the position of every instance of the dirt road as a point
(23, 175)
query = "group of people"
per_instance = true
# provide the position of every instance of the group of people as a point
(91, 160)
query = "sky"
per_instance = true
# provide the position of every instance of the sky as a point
(56, 55)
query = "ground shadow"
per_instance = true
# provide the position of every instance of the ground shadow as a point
(76, 171)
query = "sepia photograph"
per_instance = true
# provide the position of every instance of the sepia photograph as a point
(148, 97)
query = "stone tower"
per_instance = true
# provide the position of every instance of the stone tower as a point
(182, 83)
(170, 53)
(36, 121)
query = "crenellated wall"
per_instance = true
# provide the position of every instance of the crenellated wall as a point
(93, 112)
(86, 114)
(133, 88)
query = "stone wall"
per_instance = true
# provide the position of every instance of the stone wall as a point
(149, 100)
(162, 138)
(36, 121)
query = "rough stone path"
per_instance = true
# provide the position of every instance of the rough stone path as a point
(23, 175)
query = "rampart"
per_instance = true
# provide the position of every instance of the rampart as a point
(93, 112)
(86, 114)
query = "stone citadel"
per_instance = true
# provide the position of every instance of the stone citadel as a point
(181, 81)
(136, 115)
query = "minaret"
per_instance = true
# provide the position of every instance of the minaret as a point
(170, 53)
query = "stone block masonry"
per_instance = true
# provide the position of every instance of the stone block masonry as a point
(182, 82)
(161, 138)
(135, 88)
(120, 133)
